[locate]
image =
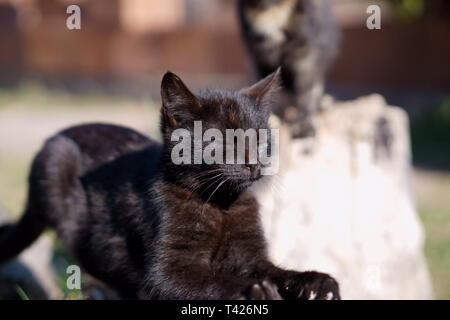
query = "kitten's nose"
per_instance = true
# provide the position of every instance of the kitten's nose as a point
(255, 170)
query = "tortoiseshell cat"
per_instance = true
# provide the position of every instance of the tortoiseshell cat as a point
(301, 37)
(143, 225)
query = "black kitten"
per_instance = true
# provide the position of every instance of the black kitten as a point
(151, 229)
(302, 38)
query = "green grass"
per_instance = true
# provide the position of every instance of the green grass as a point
(22, 293)
(61, 260)
(437, 248)
(430, 136)
(35, 96)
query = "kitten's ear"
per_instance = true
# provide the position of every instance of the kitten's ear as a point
(264, 90)
(178, 102)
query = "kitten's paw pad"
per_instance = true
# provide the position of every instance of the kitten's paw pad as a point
(265, 290)
(313, 296)
(312, 286)
(320, 287)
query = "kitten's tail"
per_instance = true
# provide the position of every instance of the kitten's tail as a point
(15, 237)
(53, 175)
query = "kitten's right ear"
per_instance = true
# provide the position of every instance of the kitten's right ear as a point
(264, 90)
(178, 102)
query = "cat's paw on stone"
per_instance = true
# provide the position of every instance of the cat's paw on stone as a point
(312, 286)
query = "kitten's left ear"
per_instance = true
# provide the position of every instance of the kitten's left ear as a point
(264, 90)
(178, 102)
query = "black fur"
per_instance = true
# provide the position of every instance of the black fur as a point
(151, 229)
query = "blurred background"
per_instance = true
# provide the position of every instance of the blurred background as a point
(52, 77)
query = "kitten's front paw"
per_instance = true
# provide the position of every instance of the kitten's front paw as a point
(312, 286)
(265, 290)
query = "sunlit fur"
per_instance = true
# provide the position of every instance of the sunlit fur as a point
(154, 230)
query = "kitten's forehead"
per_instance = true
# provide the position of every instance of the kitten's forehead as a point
(231, 109)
